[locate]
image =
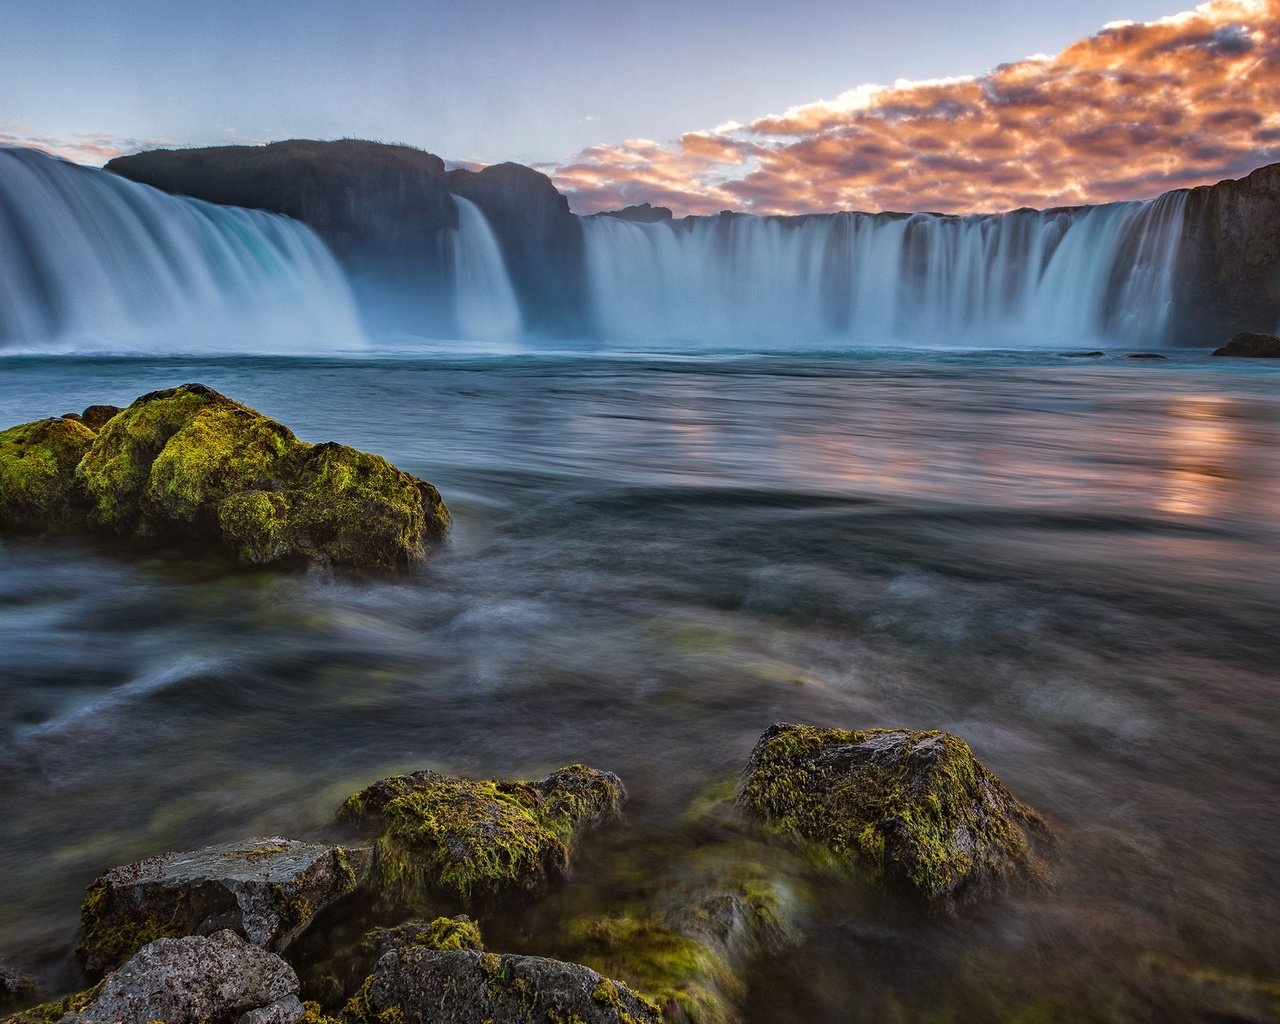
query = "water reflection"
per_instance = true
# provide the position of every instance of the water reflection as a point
(1074, 569)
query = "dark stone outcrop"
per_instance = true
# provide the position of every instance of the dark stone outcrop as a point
(423, 986)
(267, 890)
(14, 984)
(1249, 344)
(642, 214)
(190, 464)
(542, 243)
(1228, 272)
(915, 810)
(219, 979)
(477, 839)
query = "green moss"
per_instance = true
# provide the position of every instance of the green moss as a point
(606, 994)
(911, 808)
(108, 938)
(672, 971)
(477, 839)
(442, 933)
(53, 1011)
(38, 488)
(189, 462)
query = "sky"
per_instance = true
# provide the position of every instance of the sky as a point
(700, 105)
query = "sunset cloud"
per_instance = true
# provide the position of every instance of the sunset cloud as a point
(1126, 113)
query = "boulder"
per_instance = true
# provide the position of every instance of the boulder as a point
(442, 933)
(218, 979)
(14, 984)
(96, 416)
(478, 839)
(914, 810)
(1251, 345)
(38, 490)
(424, 986)
(267, 890)
(190, 464)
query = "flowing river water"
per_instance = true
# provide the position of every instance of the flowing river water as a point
(1072, 564)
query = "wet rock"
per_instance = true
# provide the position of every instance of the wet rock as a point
(444, 933)
(1145, 355)
(38, 487)
(267, 890)
(14, 984)
(190, 464)
(1251, 345)
(915, 810)
(422, 986)
(219, 979)
(96, 416)
(478, 839)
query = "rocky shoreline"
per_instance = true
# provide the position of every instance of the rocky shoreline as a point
(216, 935)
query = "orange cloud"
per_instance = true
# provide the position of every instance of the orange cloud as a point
(1133, 110)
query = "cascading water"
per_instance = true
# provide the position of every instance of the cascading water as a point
(485, 302)
(90, 260)
(1066, 276)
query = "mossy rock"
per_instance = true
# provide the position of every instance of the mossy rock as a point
(914, 810)
(190, 464)
(443, 933)
(477, 839)
(268, 890)
(424, 986)
(1251, 345)
(38, 487)
(689, 980)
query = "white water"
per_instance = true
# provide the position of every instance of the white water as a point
(485, 302)
(92, 261)
(1099, 274)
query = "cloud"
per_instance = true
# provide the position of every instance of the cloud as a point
(1135, 109)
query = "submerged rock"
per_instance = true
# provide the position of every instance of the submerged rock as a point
(220, 979)
(37, 475)
(191, 464)
(1251, 345)
(267, 890)
(423, 986)
(14, 983)
(477, 839)
(914, 809)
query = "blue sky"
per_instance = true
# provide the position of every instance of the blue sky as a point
(751, 105)
(481, 80)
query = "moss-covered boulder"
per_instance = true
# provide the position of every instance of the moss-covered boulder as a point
(190, 464)
(38, 488)
(475, 839)
(915, 810)
(1250, 344)
(267, 890)
(441, 933)
(424, 986)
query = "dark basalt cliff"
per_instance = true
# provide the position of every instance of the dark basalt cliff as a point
(540, 239)
(1230, 261)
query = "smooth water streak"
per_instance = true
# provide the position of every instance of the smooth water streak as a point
(89, 260)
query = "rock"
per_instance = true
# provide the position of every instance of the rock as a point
(1145, 355)
(14, 984)
(642, 214)
(190, 464)
(267, 890)
(38, 490)
(1083, 355)
(1251, 345)
(219, 979)
(915, 810)
(423, 986)
(96, 416)
(443, 933)
(478, 839)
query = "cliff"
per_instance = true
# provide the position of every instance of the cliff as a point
(1230, 259)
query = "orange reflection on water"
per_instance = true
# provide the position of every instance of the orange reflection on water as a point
(1202, 437)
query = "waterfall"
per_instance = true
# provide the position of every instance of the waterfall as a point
(1100, 274)
(90, 260)
(485, 302)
